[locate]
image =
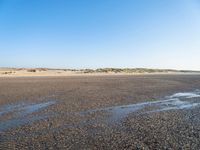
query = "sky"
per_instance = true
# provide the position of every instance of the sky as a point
(100, 33)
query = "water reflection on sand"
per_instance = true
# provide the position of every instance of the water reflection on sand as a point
(26, 113)
(177, 101)
(21, 114)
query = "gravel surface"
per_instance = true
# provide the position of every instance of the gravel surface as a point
(100, 112)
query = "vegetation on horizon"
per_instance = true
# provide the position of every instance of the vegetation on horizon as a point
(126, 70)
(99, 70)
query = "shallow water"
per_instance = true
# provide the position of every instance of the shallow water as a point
(194, 94)
(177, 101)
(22, 114)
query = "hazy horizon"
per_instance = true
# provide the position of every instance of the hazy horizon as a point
(100, 34)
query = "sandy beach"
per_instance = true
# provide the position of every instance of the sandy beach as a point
(45, 72)
(100, 112)
(99, 75)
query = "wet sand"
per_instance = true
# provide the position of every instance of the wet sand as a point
(100, 112)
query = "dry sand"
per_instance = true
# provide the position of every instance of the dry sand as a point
(38, 72)
(42, 72)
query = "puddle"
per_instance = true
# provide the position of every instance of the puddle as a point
(17, 122)
(177, 101)
(186, 95)
(22, 114)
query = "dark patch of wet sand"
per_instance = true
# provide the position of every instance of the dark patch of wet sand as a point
(70, 130)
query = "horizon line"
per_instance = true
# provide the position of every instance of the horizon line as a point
(84, 68)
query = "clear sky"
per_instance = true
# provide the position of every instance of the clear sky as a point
(100, 33)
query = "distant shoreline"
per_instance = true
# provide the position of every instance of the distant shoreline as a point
(46, 72)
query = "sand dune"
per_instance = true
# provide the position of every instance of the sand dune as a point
(23, 72)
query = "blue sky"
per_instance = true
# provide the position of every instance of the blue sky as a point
(100, 33)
